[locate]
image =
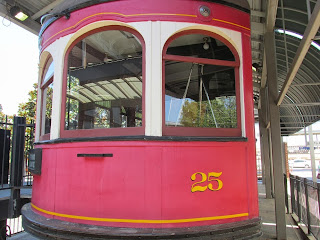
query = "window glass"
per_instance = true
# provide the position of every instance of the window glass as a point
(49, 72)
(198, 94)
(47, 93)
(200, 46)
(104, 83)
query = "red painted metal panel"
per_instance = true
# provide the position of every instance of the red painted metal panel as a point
(201, 60)
(180, 202)
(152, 183)
(45, 184)
(251, 151)
(134, 11)
(144, 181)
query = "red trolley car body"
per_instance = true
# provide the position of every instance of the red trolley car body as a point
(144, 163)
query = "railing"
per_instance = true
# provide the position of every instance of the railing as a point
(286, 193)
(16, 139)
(305, 203)
(5, 154)
(6, 148)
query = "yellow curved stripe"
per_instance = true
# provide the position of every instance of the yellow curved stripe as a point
(234, 24)
(120, 14)
(135, 15)
(140, 220)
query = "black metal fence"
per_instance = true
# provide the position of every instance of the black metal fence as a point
(16, 139)
(305, 203)
(7, 148)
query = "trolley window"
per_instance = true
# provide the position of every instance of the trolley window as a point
(104, 84)
(47, 92)
(201, 86)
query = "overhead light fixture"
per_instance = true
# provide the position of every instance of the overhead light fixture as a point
(205, 11)
(206, 45)
(256, 66)
(106, 59)
(16, 12)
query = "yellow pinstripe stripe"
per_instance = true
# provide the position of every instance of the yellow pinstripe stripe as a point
(135, 15)
(234, 24)
(120, 14)
(140, 220)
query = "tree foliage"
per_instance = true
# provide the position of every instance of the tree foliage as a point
(28, 109)
(2, 116)
(5, 119)
(218, 113)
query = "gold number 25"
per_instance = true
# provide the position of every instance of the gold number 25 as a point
(212, 176)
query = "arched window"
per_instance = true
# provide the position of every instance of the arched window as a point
(47, 92)
(104, 84)
(201, 83)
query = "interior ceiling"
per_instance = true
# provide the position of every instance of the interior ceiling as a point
(300, 105)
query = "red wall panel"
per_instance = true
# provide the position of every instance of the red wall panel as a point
(143, 182)
(150, 10)
(152, 183)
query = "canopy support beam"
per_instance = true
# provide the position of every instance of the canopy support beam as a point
(309, 34)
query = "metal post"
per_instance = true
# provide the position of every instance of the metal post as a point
(4, 156)
(313, 161)
(285, 148)
(262, 160)
(286, 191)
(17, 160)
(264, 142)
(275, 136)
(318, 186)
(271, 162)
(305, 136)
(292, 183)
(284, 36)
(3, 228)
(308, 9)
(262, 148)
(298, 197)
(305, 182)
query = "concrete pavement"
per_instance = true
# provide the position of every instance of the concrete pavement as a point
(267, 213)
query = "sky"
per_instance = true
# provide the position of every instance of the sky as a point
(295, 140)
(19, 55)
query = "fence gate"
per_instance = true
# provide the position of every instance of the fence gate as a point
(16, 139)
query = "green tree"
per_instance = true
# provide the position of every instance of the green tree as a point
(190, 114)
(5, 118)
(28, 109)
(72, 104)
(2, 116)
(224, 114)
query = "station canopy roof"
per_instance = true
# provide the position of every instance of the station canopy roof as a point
(296, 24)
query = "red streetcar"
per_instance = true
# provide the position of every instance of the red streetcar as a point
(145, 123)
